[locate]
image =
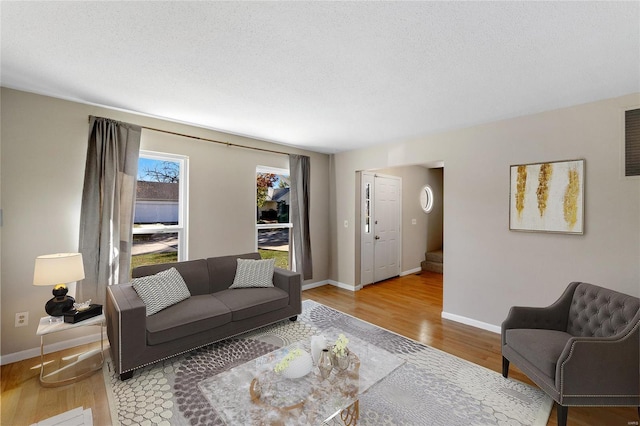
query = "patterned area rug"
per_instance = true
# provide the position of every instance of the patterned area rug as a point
(430, 388)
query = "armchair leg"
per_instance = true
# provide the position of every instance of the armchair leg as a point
(562, 414)
(505, 367)
(126, 376)
(294, 318)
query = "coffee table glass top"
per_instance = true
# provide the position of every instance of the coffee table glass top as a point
(307, 400)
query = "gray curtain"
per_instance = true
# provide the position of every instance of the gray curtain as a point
(299, 170)
(108, 197)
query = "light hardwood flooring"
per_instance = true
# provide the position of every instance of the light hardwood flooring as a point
(409, 305)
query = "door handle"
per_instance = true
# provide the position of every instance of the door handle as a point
(377, 237)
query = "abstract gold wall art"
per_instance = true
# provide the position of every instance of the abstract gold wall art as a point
(547, 197)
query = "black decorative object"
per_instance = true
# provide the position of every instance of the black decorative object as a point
(60, 302)
(73, 316)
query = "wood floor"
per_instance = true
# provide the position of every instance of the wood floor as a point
(409, 305)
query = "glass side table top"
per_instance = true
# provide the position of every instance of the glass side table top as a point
(252, 393)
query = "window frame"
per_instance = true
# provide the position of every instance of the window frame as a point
(623, 144)
(182, 226)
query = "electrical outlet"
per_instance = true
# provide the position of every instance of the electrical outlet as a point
(22, 319)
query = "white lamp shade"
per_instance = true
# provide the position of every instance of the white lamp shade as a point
(59, 268)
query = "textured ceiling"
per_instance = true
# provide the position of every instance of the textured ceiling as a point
(324, 76)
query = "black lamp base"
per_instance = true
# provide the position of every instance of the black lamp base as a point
(60, 303)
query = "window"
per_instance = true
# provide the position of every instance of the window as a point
(632, 143)
(159, 222)
(367, 208)
(273, 228)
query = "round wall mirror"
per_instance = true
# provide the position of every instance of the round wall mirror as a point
(426, 198)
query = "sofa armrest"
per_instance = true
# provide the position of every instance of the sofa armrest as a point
(126, 326)
(552, 317)
(607, 366)
(291, 282)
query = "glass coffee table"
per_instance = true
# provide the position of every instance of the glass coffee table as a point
(252, 393)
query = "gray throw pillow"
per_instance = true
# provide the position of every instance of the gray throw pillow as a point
(161, 290)
(252, 273)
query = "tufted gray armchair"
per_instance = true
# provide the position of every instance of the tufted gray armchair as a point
(583, 350)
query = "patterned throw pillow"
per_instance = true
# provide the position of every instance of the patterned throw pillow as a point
(254, 273)
(161, 290)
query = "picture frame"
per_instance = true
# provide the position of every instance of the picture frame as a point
(547, 197)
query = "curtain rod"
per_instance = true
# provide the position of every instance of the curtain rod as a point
(230, 144)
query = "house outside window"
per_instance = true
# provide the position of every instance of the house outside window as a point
(159, 223)
(273, 226)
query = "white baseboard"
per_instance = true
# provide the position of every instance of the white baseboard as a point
(345, 286)
(54, 347)
(333, 283)
(471, 322)
(314, 285)
(411, 272)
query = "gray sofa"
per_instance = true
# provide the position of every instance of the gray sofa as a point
(212, 313)
(583, 350)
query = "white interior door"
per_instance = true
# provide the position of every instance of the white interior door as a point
(386, 228)
(380, 232)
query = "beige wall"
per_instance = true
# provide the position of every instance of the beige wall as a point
(487, 267)
(43, 155)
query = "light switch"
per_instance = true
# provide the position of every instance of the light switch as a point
(346, 223)
(413, 221)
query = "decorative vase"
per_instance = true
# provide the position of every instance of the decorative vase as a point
(324, 363)
(298, 367)
(318, 343)
(342, 361)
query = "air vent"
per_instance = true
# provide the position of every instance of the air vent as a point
(632, 142)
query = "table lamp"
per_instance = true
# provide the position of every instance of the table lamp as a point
(58, 270)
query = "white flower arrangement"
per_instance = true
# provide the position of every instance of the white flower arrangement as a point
(284, 364)
(340, 347)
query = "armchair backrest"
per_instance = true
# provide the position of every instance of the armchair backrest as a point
(600, 312)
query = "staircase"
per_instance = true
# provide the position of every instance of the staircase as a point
(433, 261)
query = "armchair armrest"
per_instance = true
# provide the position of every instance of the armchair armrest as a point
(290, 282)
(607, 366)
(126, 326)
(552, 317)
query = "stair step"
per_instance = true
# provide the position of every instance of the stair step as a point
(435, 256)
(432, 266)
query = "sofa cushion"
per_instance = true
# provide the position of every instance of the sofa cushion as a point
(161, 290)
(250, 302)
(541, 347)
(222, 270)
(191, 316)
(252, 273)
(194, 272)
